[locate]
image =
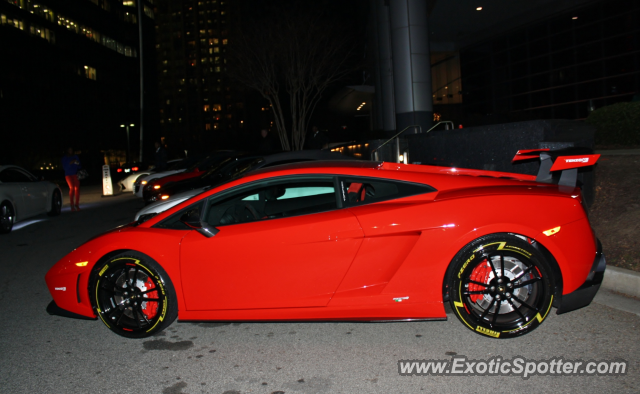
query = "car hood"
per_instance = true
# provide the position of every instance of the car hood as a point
(161, 206)
(155, 175)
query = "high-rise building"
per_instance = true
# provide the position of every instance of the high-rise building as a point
(200, 108)
(70, 75)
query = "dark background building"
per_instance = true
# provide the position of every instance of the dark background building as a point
(70, 75)
(200, 108)
(70, 72)
(510, 60)
(560, 67)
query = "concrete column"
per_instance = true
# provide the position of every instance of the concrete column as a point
(411, 63)
(384, 83)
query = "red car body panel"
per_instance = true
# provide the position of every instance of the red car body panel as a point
(379, 261)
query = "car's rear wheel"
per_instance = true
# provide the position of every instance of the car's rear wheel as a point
(501, 286)
(56, 203)
(7, 216)
(133, 295)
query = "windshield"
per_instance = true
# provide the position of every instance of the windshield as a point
(217, 167)
(204, 163)
(244, 167)
(182, 164)
(235, 172)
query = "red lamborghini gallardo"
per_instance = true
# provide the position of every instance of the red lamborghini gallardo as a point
(348, 241)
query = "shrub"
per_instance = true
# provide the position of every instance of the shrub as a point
(617, 124)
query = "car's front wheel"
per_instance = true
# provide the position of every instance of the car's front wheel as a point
(56, 204)
(7, 216)
(501, 286)
(133, 295)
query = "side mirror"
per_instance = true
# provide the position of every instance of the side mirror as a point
(192, 220)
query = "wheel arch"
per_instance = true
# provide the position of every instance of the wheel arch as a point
(116, 252)
(555, 268)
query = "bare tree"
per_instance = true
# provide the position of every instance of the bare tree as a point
(291, 51)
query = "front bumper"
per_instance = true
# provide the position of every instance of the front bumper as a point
(583, 296)
(54, 309)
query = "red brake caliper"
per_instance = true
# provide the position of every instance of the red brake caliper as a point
(479, 274)
(150, 308)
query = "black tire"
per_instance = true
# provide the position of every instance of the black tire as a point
(501, 303)
(7, 216)
(56, 203)
(116, 299)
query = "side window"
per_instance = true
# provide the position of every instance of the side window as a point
(358, 191)
(173, 222)
(272, 200)
(11, 175)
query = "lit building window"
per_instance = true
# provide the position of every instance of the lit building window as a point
(206, 108)
(90, 72)
(130, 17)
(51, 16)
(129, 3)
(148, 11)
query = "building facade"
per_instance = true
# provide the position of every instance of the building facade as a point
(200, 108)
(560, 67)
(70, 75)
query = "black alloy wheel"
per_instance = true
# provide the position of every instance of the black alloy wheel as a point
(7, 216)
(133, 296)
(501, 286)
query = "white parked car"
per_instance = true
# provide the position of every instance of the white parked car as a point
(23, 195)
(127, 184)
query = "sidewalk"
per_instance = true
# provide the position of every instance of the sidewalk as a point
(92, 194)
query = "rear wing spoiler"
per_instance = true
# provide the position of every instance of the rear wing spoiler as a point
(566, 160)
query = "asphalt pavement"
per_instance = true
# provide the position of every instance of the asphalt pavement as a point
(50, 354)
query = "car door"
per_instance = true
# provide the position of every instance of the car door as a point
(36, 193)
(14, 185)
(281, 243)
(389, 225)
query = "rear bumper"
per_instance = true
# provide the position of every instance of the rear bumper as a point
(583, 296)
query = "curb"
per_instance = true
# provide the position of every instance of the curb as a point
(622, 281)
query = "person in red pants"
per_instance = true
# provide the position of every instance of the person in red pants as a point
(71, 165)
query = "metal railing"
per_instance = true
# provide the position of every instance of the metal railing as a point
(374, 152)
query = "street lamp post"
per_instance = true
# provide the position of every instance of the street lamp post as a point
(128, 150)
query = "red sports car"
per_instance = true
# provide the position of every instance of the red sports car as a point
(347, 241)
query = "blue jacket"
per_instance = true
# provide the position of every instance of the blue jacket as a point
(69, 168)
